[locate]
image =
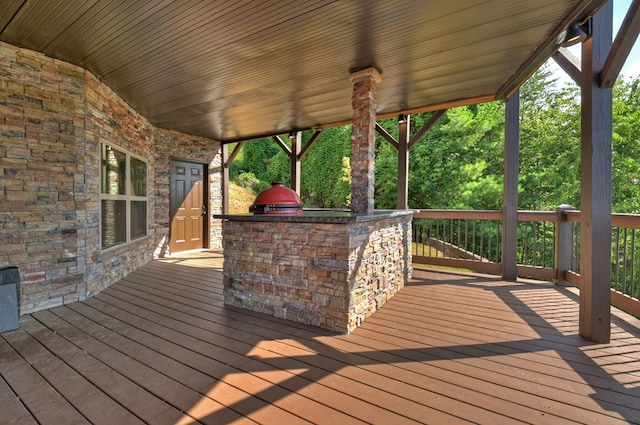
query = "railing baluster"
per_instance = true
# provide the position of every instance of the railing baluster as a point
(525, 248)
(489, 229)
(633, 262)
(544, 244)
(466, 235)
(473, 241)
(533, 251)
(481, 242)
(451, 238)
(616, 279)
(458, 239)
(624, 262)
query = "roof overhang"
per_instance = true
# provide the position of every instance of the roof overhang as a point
(245, 69)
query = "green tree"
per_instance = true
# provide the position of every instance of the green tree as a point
(626, 150)
(549, 144)
(322, 182)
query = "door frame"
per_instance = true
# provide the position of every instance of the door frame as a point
(206, 237)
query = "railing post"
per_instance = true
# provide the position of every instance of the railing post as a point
(510, 191)
(563, 245)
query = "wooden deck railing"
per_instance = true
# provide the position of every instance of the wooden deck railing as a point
(548, 247)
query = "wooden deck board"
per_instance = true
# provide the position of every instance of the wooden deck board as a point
(161, 347)
(244, 342)
(12, 407)
(41, 399)
(89, 400)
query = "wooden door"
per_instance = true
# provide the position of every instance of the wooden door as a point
(188, 207)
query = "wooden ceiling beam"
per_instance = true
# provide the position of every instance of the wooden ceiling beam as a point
(622, 45)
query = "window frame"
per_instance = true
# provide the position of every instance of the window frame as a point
(128, 197)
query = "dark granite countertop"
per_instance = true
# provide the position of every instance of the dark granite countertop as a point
(318, 216)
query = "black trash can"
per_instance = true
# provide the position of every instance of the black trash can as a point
(9, 296)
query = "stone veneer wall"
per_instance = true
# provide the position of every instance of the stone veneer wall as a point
(53, 115)
(329, 275)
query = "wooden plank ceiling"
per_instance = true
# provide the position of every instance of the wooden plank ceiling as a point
(233, 70)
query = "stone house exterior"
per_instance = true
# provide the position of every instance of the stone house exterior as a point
(55, 120)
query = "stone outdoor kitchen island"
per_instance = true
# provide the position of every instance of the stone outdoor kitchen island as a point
(324, 268)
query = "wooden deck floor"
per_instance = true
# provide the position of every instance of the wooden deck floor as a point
(159, 347)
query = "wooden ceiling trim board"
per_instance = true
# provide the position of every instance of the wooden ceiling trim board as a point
(261, 104)
(80, 34)
(66, 17)
(124, 41)
(184, 87)
(434, 96)
(152, 45)
(273, 82)
(203, 47)
(97, 31)
(426, 108)
(8, 10)
(17, 32)
(191, 74)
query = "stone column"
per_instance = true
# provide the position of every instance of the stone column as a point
(363, 101)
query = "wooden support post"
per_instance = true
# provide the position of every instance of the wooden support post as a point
(404, 130)
(296, 146)
(227, 159)
(595, 217)
(563, 245)
(510, 191)
(225, 178)
(363, 102)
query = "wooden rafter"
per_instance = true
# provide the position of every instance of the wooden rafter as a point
(622, 45)
(282, 144)
(234, 153)
(388, 137)
(569, 63)
(310, 143)
(434, 119)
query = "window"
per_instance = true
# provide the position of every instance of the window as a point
(123, 196)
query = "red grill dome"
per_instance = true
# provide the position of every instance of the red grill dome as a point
(278, 199)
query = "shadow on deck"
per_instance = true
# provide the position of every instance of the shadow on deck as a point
(160, 347)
